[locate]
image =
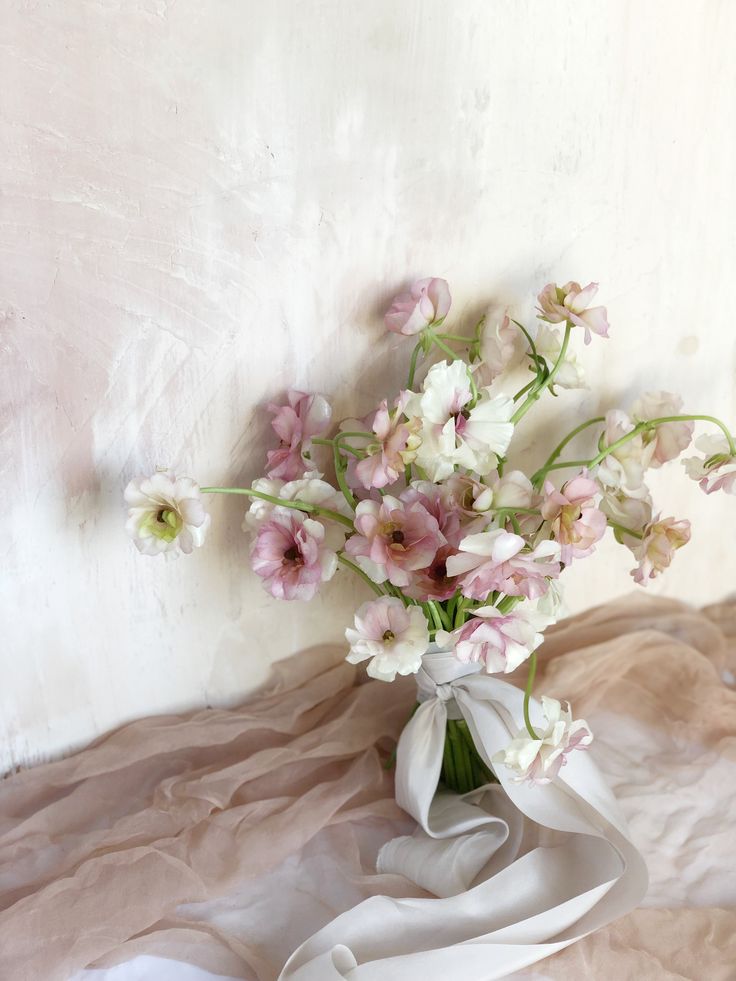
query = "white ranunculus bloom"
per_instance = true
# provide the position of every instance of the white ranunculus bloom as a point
(165, 514)
(452, 435)
(540, 760)
(311, 489)
(393, 636)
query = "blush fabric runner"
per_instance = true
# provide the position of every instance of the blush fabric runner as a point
(252, 842)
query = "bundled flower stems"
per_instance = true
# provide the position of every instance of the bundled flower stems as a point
(463, 552)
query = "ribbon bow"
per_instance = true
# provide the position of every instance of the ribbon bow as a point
(519, 871)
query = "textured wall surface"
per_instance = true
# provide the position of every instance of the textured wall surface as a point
(202, 203)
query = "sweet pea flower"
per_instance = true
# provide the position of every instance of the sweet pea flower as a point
(499, 347)
(295, 423)
(426, 302)
(623, 469)
(549, 344)
(395, 447)
(668, 440)
(539, 760)
(165, 514)
(630, 513)
(291, 556)
(393, 540)
(569, 303)
(500, 641)
(393, 636)
(497, 561)
(573, 518)
(657, 547)
(451, 434)
(717, 469)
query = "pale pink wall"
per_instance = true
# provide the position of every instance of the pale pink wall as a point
(203, 202)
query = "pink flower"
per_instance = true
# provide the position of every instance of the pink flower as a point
(499, 641)
(388, 457)
(392, 540)
(657, 548)
(295, 423)
(558, 304)
(540, 760)
(717, 470)
(393, 636)
(496, 561)
(435, 499)
(290, 555)
(667, 441)
(575, 521)
(433, 583)
(426, 302)
(499, 347)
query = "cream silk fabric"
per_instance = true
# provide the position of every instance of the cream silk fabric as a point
(216, 843)
(522, 870)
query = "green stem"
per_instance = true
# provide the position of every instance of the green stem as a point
(623, 530)
(413, 365)
(293, 505)
(343, 446)
(443, 347)
(436, 615)
(340, 475)
(454, 337)
(359, 572)
(525, 389)
(527, 694)
(561, 446)
(540, 386)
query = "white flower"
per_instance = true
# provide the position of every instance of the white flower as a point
(717, 469)
(393, 636)
(500, 641)
(634, 513)
(539, 760)
(549, 344)
(551, 607)
(667, 441)
(452, 435)
(166, 514)
(311, 489)
(623, 469)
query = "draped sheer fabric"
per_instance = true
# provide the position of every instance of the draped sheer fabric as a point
(225, 838)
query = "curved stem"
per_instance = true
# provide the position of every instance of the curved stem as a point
(340, 475)
(540, 386)
(568, 439)
(443, 347)
(527, 694)
(293, 505)
(413, 365)
(344, 447)
(359, 572)
(624, 531)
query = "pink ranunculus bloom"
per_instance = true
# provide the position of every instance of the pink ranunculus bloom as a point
(558, 304)
(395, 446)
(426, 302)
(540, 760)
(393, 540)
(716, 470)
(669, 439)
(657, 548)
(574, 520)
(295, 423)
(438, 502)
(393, 636)
(499, 561)
(500, 641)
(433, 583)
(290, 555)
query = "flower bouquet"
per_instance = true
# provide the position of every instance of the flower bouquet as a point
(463, 552)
